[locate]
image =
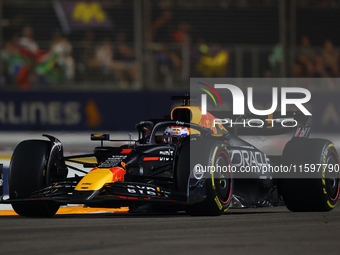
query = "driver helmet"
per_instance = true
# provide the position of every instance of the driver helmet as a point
(173, 134)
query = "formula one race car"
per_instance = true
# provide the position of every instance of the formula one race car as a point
(163, 170)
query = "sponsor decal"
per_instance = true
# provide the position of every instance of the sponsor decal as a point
(247, 147)
(302, 132)
(144, 190)
(218, 203)
(165, 159)
(147, 190)
(167, 153)
(126, 150)
(248, 158)
(113, 161)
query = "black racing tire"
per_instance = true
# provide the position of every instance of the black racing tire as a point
(219, 186)
(27, 173)
(319, 193)
(36, 209)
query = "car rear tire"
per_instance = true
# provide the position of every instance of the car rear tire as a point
(219, 185)
(319, 193)
(27, 173)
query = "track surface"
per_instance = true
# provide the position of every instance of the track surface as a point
(246, 231)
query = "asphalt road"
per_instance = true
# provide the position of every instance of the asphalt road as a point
(245, 231)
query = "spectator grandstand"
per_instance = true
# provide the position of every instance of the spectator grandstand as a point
(99, 45)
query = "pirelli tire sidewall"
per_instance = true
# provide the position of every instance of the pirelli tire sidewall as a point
(219, 197)
(206, 152)
(319, 193)
(331, 195)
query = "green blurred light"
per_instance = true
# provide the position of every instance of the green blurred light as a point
(204, 48)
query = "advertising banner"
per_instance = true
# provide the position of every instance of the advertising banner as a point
(120, 111)
(65, 111)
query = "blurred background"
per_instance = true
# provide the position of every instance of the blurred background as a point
(158, 45)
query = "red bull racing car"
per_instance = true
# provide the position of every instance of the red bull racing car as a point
(164, 170)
